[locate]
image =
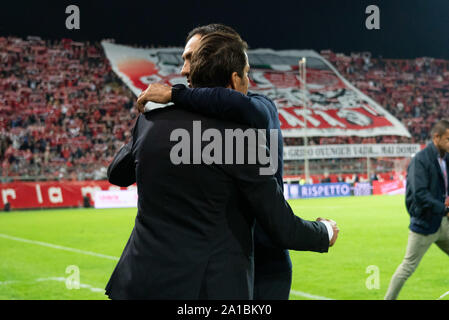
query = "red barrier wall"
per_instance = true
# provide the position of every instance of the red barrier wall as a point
(50, 194)
(389, 187)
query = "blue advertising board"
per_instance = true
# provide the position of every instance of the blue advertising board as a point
(321, 190)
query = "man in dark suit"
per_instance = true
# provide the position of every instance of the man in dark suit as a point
(427, 204)
(193, 233)
(273, 268)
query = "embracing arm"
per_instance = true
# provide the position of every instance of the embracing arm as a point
(253, 110)
(278, 220)
(122, 170)
(274, 214)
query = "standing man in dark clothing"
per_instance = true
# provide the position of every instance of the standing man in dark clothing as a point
(193, 232)
(273, 269)
(427, 203)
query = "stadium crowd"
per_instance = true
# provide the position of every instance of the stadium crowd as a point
(411, 90)
(415, 91)
(64, 113)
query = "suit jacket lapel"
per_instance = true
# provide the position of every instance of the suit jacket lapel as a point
(434, 155)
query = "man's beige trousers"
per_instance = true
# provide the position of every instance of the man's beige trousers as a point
(417, 246)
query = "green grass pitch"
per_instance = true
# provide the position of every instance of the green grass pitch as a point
(373, 232)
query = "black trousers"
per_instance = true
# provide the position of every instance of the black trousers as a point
(272, 286)
(272, 269)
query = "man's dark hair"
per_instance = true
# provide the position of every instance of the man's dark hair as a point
(217, 57)
(210, 28)
(440, 128)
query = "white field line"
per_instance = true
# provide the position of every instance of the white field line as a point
(59, 279)
(308, 295)
(311, 296)
(443, 295)
(54, 246)
(58, 247)
(9, 282)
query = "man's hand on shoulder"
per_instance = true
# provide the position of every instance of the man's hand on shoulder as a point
(335, 229)
(156, 92)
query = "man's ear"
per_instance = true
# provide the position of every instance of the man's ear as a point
(235, 80)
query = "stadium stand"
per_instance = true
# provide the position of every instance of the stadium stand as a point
(415, 91)
(64, 113)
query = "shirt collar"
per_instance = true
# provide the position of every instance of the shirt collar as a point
(435, 151)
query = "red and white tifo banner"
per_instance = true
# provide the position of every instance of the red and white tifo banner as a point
(389, 187)
(334, 106)
(52, 194)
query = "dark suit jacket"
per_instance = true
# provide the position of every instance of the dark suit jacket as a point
(425, 191)
(192, 237)
(256, 111)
